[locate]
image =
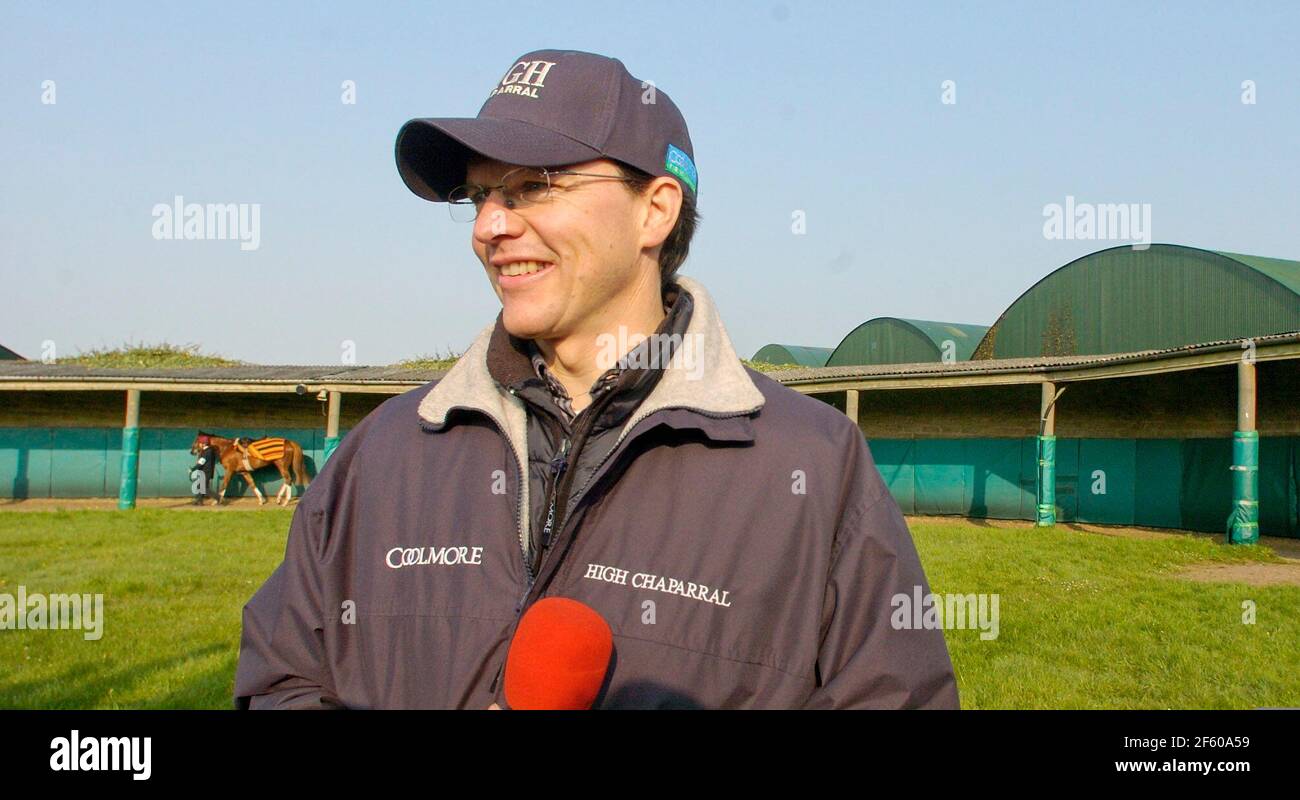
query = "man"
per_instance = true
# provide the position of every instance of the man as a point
(601, 441)
(203, 473)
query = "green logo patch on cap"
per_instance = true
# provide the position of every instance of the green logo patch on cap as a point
(679, 164)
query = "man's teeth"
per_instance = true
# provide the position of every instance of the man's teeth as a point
(522, 268)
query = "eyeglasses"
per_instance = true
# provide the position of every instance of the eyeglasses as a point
(520, 188)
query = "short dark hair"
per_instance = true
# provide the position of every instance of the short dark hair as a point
(675, 248)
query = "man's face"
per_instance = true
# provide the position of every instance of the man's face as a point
(588, 237)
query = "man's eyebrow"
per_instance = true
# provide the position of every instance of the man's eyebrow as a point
(498, 173)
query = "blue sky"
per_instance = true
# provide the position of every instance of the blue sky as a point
(913, 207)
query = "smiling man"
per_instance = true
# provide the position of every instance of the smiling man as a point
(600, 441)
(588, 266)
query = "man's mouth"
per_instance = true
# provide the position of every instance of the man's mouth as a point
(520, 274)
(523, 268)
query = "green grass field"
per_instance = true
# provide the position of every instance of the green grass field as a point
(1087, 620)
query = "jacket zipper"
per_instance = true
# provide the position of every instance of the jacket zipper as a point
(562, 463)
(555, 526)
(558, 465)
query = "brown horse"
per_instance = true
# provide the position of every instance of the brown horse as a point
(245, 455)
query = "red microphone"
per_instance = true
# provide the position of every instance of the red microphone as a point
(559, 656)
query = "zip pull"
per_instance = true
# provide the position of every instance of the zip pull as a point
(561, 460)
(558, 465)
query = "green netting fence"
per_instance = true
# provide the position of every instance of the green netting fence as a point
(87, 462)
(1162, 483)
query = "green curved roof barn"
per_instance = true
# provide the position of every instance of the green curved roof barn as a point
(893, 340)
(793, 354)
(1123, 300)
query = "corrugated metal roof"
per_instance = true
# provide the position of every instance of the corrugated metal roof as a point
(35, 370)
(1281, 270)
(993, 366)
(1122, 299)
(250, 373)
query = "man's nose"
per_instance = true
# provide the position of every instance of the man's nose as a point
(494, 217)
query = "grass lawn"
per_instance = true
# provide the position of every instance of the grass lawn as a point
(1087, 620)
(174, 586)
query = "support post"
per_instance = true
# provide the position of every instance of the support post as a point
(130, 452)
(851, 404)
(1046, 507)
(332, 437)
(1243, 522)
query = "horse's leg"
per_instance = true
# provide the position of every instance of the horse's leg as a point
(225, 482)
(261, 498)
(285, 494)
(299, 467)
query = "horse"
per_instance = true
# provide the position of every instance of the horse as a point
(244, 456)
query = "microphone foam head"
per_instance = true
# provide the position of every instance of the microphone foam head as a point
(559, 656)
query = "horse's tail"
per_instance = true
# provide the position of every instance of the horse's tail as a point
(299, 468)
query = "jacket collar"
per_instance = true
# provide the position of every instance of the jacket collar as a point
(715, 386)
(509, 358)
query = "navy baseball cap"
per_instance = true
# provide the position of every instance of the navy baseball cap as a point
(553, 108)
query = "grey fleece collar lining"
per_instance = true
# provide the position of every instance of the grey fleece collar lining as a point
(719, 388)
(722, 387)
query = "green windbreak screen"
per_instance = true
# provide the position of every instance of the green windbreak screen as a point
(996, 489)
(1157, 501)
(79, 457)
(87, 462)
(894, 460)
(1294, 491)
(1207, 484)
(1107, 480)
(1161, 483)
(1277, 481)
(941, 474)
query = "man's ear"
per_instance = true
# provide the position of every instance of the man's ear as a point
(663, 205)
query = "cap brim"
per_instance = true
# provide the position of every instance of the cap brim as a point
(432, 153)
